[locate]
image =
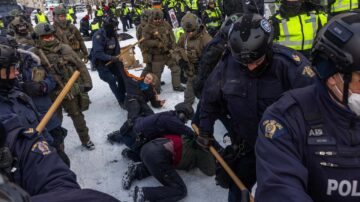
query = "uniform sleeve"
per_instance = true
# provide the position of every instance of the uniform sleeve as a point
(211, 102)
(173, 125)
(41, 168)
(281, 175)
(99, 47)
(50, 83)
(81, 41)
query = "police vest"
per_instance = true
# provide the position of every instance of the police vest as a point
(178, 32)
(41, 18)
(192, 4)
(344, 5)
(69, 18)
(299, 32)
(99, 13)
(138, 11)
(125, 11)
(1, 24)
(71, 11)
(333, 166)
(95, 26)
(215, 18)
(113, 10)
(179, 7)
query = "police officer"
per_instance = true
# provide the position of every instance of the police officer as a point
(191, 44)
(193, 6)
(237, 6)
(95, 26)
(85, 26)
(160, 161)
(72, 12)
(106, 48)
(99, 13)
(40, 17)
(67, 33)
(212, 18)
(341, 6)
(154, 126)
(22, 32)
(306, 150)
(160, 40)
(295, 26)
(125, 17)
(245, 82)
(64, 63)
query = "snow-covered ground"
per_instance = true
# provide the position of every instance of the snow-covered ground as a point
(103, 168)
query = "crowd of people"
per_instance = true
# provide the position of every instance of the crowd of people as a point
(286, 89)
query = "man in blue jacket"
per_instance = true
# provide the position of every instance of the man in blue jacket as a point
(105, 49)
(248, 78)
(308, 144)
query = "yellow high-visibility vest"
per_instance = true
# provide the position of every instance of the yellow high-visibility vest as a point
(69, 18)
(95, 26)
(344, 5)
(299, 32)
(41, 17)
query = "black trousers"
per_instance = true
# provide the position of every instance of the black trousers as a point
(157, 161)
(136, 107)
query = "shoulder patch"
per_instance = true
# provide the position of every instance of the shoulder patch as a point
(296, 57)
(292, 55)
(308, 71)
(97, 36)
(41, 147)
(272, 129)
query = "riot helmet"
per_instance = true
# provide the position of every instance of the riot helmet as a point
(249, 38)
(184, 111)
(9, 59)
(60, 16)
(336, 49)
(20, 26)
(110, 25)
(225, 27)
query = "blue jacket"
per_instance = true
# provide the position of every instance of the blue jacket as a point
(308, 149)
(231, 89)
(43, 102)
(39, 169)
(160, 124)
(99, 54)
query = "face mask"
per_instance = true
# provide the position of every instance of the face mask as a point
(110, 31)
(7, 84)
(354, 103)
(290, 8)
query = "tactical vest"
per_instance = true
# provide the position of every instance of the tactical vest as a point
(344, 5)
(68, 37)
(215, 17)
(299, 32)
(41, 18)
(333, 167)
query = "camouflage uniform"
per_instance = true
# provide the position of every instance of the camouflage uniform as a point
(190, 49)
(67, 33)
(160, 40)
(64, 63)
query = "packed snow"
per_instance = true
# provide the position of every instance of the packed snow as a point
(102, 169)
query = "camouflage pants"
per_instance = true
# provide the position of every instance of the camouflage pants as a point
(73, 109)
(189, 95)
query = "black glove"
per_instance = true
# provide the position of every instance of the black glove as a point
(204, 140)
(222, 178)
(34, 88)
(114, 59)
(183, 64)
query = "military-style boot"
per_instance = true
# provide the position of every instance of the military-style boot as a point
(129, 176)
(138, 194)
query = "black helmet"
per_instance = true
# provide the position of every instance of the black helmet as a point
(60, 10)
(110, 21)
(249, 38)
(184, 111)
(337, 46)
(337, 49)
(225, 27)
(8, 53)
